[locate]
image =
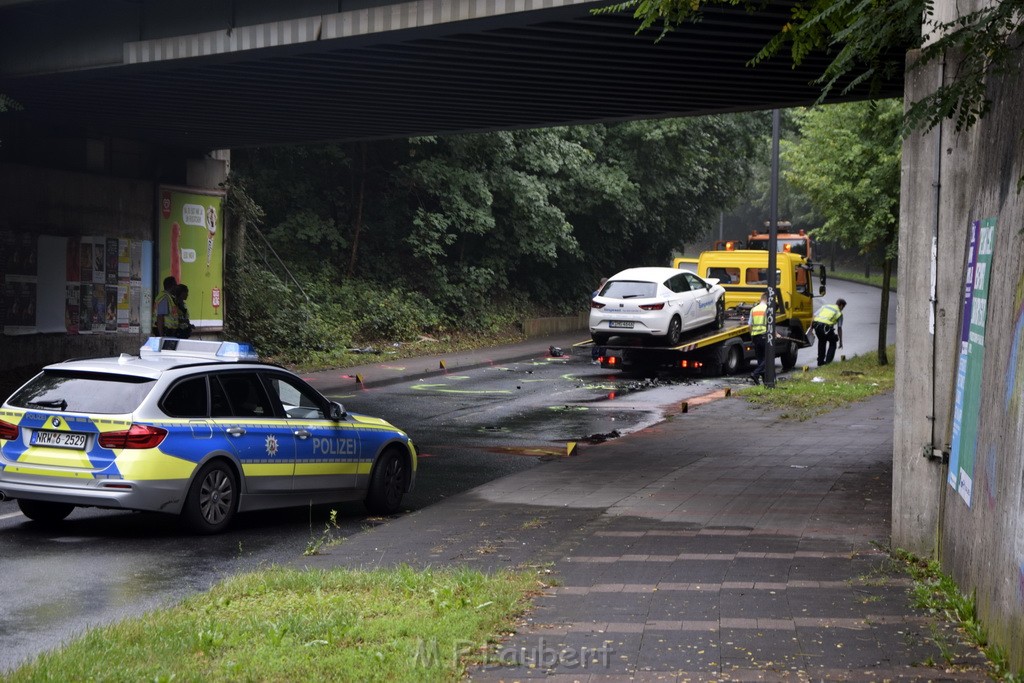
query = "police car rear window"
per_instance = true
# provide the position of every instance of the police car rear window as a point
(83, 392)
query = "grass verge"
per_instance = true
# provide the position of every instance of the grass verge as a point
(803, 395)
(853, 276)
(938, 593)
(289, 625)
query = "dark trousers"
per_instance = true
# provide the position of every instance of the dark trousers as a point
(827, 338)
(760, 350)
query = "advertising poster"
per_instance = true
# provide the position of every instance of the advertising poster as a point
(971, 361)
(191, 249)
(135, 307)
(110, 310)
(112, 250)
(85, 303)
(85, 259)
(99, 260)
(72, 303)
(99, 307)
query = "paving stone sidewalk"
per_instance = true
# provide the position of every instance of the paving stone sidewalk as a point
(722, 544)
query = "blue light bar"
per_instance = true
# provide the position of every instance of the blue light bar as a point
(236, 351)
(197, 348)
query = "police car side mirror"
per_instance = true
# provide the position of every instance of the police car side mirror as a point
(336, 411)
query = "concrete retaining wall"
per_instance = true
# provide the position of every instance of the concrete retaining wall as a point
(950, 180)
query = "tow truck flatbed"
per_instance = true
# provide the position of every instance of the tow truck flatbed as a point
(709, 351)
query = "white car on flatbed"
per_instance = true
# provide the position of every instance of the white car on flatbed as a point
(655, 303)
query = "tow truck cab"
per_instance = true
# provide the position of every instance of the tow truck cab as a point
(744, 275)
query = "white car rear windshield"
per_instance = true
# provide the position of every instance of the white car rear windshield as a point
(630, 289)
(83, 392)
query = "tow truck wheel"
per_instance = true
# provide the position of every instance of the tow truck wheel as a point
(44, 512)
(720, 314)
(675, 332)
(733, 360)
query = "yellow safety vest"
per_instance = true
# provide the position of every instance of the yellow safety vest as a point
(759, 320)
(171, 319)
(828, 314)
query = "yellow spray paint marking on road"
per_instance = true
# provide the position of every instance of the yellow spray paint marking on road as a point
(436, 387)
(337, 397)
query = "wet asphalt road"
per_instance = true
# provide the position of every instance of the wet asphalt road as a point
(471, 427)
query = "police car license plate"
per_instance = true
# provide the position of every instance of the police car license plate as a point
(624, 324)
(42, 437)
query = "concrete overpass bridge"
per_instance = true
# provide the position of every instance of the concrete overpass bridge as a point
(210, 74)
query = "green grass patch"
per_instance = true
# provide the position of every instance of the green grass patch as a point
(803, 395)
(936, 592)
(874, 279)
(289, 625)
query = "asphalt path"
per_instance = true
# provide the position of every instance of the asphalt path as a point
(471, 426)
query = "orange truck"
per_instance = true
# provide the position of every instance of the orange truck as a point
(787, 241)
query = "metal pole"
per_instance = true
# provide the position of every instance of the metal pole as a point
(773, 238)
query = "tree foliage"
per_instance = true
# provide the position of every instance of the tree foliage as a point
(480, 225)
(847, 161)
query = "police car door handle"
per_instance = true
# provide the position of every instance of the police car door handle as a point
(235, 431)
(301, 433)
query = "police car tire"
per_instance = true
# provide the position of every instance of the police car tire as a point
(206, 511)
(43, 511)
(387, 485)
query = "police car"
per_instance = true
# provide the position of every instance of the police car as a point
(194, 428)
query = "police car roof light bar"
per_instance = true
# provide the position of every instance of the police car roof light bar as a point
(196, 348)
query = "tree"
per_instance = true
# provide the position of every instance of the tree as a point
(847, 161)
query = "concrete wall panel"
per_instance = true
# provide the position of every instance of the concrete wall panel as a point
(980, 542)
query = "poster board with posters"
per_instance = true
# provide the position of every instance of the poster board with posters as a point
(190, 248)
(54, 284)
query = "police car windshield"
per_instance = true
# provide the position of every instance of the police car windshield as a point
(83, 392)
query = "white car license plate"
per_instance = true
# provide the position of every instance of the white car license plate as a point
(42, 437)
(624, 324)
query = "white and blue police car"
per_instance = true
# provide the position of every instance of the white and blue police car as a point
(195, 428)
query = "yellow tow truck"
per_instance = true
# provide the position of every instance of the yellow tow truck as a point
(744, 275)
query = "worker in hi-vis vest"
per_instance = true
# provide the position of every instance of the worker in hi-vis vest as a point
(759, 336)
(828, 328)
(165, 310)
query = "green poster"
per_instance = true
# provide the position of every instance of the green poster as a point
(971, 363)
(191, 250)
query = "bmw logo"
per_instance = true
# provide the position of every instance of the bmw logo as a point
(55, 422)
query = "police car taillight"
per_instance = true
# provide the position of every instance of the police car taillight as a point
(137, 436)
(8, 432)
